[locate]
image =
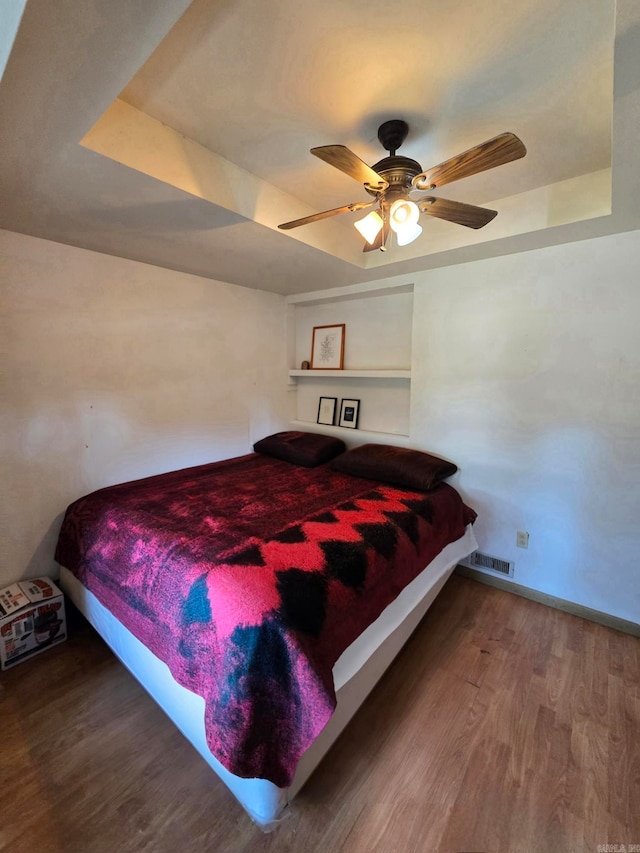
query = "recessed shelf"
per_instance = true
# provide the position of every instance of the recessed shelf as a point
(378, 358)
(353, 374)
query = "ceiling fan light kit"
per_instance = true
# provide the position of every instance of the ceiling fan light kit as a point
(393, 178)
(403, 213)
(403, 219)
(408, 234)
(370, 226)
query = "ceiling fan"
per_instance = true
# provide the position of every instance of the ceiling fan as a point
(394, 178)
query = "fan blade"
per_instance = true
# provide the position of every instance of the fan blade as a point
(347, 208)
(494, 152)
(345, 160)
(456, 211)
(381, 240)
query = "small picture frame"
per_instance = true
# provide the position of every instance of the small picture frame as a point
(349, 411)
(327, 347)
(327, 410)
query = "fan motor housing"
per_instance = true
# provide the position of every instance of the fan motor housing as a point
(397, 171)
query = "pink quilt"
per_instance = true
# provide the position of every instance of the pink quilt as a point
(249, 578)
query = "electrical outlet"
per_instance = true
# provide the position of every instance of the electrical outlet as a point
(522, 539)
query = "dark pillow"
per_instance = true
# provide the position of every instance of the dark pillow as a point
(302, 448)
(399, 466)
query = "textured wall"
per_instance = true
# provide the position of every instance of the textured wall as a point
(526, 371)
(115, 370)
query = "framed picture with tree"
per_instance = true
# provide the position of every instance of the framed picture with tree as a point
(327, 347)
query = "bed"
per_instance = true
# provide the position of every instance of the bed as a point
(260, 598)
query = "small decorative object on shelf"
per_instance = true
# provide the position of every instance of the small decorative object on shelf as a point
(327, 347)
(305, 365)
(327, 410)
(349, 411)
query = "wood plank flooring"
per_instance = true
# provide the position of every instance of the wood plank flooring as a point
(503, 726)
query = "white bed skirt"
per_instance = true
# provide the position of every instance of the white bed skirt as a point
(355, 674)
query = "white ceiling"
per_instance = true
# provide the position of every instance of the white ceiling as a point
(261, 88)
(206, 113)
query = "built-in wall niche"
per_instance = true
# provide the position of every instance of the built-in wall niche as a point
(377, 355)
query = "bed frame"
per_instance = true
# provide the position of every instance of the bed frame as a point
(355, 674)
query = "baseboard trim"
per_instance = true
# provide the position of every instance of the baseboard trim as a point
(551, 601)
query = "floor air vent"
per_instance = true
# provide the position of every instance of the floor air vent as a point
(478, 560)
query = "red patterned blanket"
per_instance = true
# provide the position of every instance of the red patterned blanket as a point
(249, 578)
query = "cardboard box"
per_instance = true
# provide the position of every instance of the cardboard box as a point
(32, 619)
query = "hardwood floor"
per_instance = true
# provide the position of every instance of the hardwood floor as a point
(503, 726)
